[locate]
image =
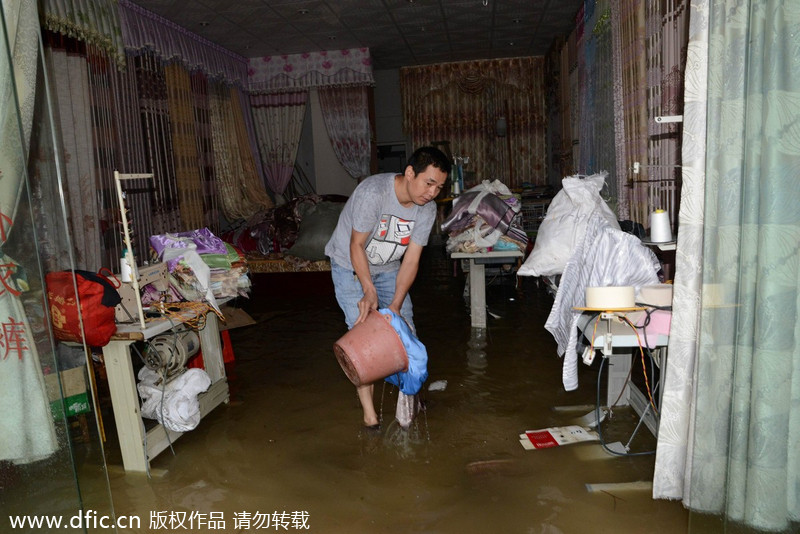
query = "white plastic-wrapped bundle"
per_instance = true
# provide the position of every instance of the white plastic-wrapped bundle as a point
(564, 225)
(180, 409)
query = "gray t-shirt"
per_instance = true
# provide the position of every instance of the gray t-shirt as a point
(373, 207)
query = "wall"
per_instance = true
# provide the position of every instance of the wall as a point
(305, 149)
(330, 177)
(388, 109)
(315, 154)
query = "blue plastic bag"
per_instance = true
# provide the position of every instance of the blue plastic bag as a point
(409, 382)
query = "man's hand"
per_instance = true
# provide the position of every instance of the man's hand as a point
(368, 302)
(361, 269)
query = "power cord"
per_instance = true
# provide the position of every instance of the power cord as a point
(626, 384)
(599, 424)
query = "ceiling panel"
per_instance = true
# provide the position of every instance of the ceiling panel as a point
(398, 32)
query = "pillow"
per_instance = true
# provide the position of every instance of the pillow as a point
(315, 230)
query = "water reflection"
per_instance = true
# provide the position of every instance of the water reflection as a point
(476, 356)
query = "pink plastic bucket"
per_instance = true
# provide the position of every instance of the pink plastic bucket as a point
(371, 350)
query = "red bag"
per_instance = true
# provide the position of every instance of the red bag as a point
(97, 297)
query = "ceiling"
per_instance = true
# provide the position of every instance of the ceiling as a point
(397, 32)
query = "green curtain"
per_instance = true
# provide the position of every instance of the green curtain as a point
(746, 435)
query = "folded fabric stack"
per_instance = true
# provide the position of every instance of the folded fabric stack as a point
(486, 217)
(228, 273)
(201, 265)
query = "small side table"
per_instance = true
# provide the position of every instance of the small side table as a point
(138, 447)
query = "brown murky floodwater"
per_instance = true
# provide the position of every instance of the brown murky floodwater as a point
(290, 439)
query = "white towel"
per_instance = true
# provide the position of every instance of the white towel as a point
(606, 257)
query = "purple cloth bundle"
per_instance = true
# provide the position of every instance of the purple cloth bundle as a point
(205, 241)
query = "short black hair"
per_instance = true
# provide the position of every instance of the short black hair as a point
(426, 156)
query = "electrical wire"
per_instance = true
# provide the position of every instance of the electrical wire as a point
(644, 368)
(627, 380)
(599, 425)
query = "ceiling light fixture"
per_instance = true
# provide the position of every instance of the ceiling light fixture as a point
(204, 24)
(302, 11)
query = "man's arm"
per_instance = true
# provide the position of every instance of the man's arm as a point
(406, 275)
(358, 257)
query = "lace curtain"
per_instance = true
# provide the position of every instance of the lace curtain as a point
(345, 111)
(278, 120)
(144, 30)
(95, 22)
(462, 102)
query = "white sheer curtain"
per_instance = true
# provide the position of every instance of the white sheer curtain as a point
(26, 424)
(278, 120)
(70, 77)
(345, 110)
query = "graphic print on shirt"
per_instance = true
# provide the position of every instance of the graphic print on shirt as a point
(390, 240)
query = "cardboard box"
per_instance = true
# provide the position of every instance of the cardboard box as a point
(234, 318)
(76, 397)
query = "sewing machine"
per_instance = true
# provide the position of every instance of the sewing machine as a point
(126, 310)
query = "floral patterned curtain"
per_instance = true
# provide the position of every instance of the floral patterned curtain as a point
(345, 111)
(730, 427)
(462, 102)
(295, 72)
(278, 122)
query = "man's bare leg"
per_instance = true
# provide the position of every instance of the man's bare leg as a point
(365, 396)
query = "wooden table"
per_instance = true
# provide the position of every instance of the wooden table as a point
(477, 278)
(137, 446)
